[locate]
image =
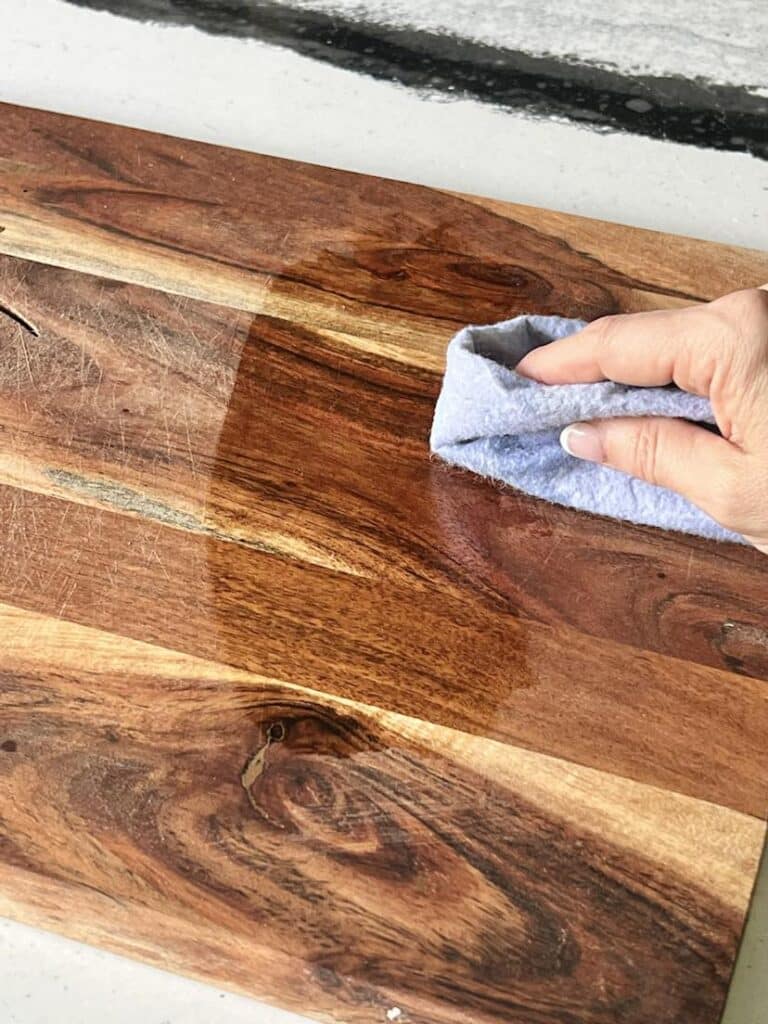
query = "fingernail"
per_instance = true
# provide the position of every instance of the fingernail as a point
(582, 441)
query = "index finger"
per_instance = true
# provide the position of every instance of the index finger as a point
(644, 349)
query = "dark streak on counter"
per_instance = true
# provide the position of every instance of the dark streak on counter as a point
(691, 111)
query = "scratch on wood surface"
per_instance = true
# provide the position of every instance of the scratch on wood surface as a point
(25, 350)
(192, 462)
(67, 597)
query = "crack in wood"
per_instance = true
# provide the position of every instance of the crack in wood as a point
(257, 763)
(19, 318)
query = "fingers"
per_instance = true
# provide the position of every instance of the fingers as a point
(684, 346)
(700, 465)
(630, 349)
(717, 349)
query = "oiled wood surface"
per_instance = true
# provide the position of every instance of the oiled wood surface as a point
(284, 703)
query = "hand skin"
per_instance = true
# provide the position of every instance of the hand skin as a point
(718, 349)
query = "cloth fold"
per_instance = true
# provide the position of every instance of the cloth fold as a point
(492, 421)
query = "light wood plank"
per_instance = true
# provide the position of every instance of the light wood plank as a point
(123, 785)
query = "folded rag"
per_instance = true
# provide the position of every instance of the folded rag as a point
(494, 422)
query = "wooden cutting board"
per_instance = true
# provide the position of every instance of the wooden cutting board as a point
(289, 706)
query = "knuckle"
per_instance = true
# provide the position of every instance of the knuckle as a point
(605, 329)
(744, 315)
(739, 349)
(646, 445)
(755, 303)
(606, 338)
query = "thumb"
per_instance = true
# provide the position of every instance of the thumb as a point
(700, 465)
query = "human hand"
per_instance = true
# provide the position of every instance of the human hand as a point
(717, 349)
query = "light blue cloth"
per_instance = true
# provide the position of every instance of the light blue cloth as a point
(494, 422)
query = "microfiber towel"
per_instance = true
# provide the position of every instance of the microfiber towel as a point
(496, 423)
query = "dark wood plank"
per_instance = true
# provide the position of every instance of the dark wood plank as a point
(375, 258)
(267, 433)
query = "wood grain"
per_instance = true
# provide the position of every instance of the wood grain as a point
(285, 704)
(265, 445)
(379, 260)
(401, 865)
